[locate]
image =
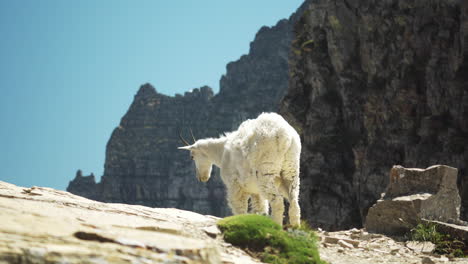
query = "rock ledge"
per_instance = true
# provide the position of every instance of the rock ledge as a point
(43, 225)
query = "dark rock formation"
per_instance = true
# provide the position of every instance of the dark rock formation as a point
(85, 185)
(143, 165)
(373, 84)
(413, 195)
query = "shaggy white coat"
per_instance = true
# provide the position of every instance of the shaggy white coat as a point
(259, 161)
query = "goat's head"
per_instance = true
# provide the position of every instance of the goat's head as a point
(202, 163)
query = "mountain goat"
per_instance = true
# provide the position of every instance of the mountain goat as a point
(259, 161)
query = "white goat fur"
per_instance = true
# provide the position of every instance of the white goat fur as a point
(259, 161)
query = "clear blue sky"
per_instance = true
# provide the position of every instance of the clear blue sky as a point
(69, 71)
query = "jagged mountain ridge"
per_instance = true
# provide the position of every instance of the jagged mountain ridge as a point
(143, 165)
(374, 84)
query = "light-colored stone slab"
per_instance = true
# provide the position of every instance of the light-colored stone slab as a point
(418, 246)
(43, 225)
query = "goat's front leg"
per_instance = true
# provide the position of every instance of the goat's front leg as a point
(259, 204)
(237, 200)
(269, 182)
(277, 208)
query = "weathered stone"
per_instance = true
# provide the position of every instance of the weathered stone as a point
(414, 194)
(345, 244)
(418, 246)
(455, 231)
(212, 231)
(444, 259)
(336, 240)
(427, 260)
(57, 227)
(373, 84)
(330, 240)
(380, 249)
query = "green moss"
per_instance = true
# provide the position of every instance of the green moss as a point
(266, 240)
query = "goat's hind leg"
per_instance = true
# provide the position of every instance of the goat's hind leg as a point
(294, 209)
(268, 178)
(290, 176)
(292, 194)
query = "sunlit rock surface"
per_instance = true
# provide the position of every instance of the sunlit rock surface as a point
(43, 225)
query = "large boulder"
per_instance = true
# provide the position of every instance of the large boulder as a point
(414, 194)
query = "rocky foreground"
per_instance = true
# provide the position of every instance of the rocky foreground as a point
(43, 225)
(358, 246)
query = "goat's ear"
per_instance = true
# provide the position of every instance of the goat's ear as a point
(186, 147)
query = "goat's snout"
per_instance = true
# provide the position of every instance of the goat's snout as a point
(201, 177)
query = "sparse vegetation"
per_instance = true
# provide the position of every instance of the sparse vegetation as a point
(334, 22)
(308, 42)
(304, 47)
(265, 239)
(426, 232)
(444, 244)
(400, 20)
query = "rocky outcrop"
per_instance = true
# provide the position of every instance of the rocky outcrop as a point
(143, 165)
(43, 225)
(413, 195)
(373, 84)
(85, 185)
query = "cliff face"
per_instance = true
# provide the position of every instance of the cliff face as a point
(143, 165)
(373, 84)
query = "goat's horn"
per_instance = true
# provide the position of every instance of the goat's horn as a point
(183, 140)
(191, 133)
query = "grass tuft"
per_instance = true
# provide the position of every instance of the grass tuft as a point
(426, 232)
(266, 240)
(444, 244)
